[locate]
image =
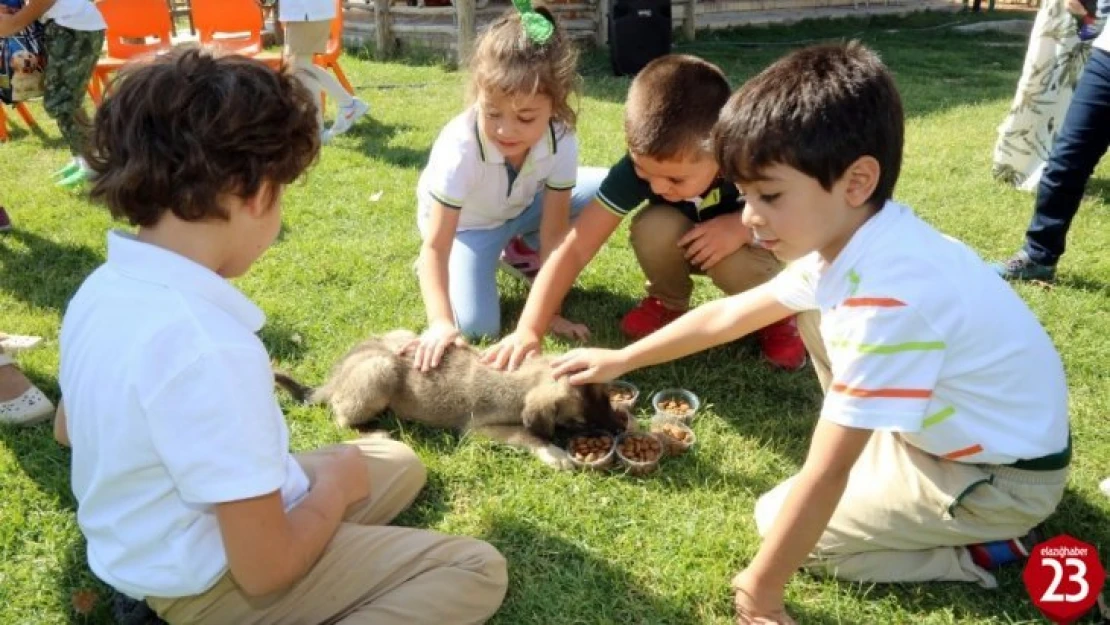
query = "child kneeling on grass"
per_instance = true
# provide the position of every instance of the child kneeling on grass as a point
(187, 493)
(945, 420)
(685, 216)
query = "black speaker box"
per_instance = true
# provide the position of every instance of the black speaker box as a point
(639, 31)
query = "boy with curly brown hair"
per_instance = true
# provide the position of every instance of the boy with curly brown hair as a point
(187, 493)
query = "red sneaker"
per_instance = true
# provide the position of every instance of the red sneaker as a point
(520, 260)
(782, 345)
(647, 317)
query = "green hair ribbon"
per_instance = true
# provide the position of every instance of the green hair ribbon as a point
(536, 27)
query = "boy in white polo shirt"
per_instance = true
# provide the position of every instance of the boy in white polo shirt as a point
(945, 418)
(187, 494)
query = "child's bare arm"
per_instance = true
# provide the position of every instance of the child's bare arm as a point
(804, 516)
(269, 549)
(715, 323)
(32, 11)
(555, 220)
(435, 253)
(589, 232)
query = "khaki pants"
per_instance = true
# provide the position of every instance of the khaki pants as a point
(369, 573)
(906, 514)
(655, 232)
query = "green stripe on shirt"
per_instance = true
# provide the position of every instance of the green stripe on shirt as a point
(893, 348)
(940, 416)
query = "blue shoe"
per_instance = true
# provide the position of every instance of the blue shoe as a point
(1021, 267)
(999, 553)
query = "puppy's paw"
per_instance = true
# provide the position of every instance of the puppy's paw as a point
(554, 457)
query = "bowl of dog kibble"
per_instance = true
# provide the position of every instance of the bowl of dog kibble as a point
(623, 395)
(676, 402)
(676, 436)
(639, 452)
(592, 451)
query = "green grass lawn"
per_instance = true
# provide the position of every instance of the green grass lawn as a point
(582, 548)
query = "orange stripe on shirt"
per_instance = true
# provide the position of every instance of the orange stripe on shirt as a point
(960, 453)
(879, 302)
(895, 393)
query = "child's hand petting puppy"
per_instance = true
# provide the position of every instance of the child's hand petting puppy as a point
(590, 365)
(711, 241)
(428, 348)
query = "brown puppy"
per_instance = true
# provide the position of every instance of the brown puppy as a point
(522, 407)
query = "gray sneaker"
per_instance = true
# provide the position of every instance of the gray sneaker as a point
(1021, 267)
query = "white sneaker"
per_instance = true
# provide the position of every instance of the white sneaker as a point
(348, 115)
(1105, 486)
(30, 407)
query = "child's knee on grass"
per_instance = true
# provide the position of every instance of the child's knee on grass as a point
(476, 325)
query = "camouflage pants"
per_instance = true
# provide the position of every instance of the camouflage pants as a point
(71, 56)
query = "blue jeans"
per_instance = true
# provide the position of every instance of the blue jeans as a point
(472, 268)
(1083, 139)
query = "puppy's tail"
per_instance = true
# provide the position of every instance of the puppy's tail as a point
(300, 392)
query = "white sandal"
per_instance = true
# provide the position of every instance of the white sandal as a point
(11, 343)
(30, 407)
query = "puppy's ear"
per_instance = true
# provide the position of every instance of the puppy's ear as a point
(541, 409)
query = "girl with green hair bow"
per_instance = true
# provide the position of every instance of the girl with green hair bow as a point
(502, 183)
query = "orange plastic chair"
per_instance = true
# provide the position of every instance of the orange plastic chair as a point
(235, 25)
(24, 112)
(129, 22)
(329, 60)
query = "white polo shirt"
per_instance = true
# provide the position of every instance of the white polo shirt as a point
(75, 15)
(170, 405)
(306, 10)
(467, 173)
(925, 339)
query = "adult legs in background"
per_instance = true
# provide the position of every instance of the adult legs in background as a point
(1080, 144)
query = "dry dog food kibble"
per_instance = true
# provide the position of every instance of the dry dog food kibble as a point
(675, 432)
(641, 449)
(590, 448)
(676, 406)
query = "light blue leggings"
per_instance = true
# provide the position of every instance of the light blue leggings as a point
(472, 268)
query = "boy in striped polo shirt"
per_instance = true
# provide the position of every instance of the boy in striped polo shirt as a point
(945, 420)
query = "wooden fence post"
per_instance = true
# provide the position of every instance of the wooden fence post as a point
(383, 31)
(464, 9)
(601, 36)
(689, 24)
